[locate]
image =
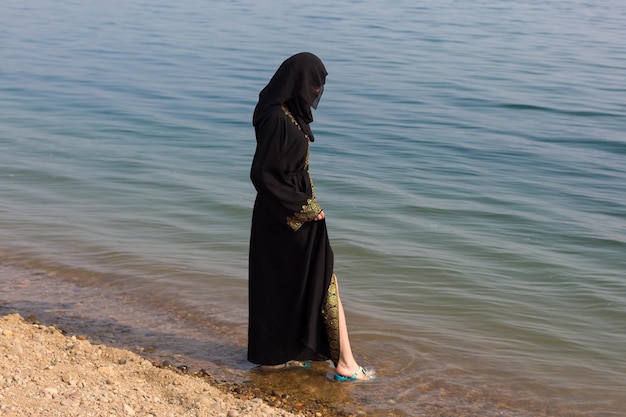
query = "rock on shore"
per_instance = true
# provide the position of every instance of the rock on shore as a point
(45, 373)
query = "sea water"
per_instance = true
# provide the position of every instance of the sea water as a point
(470, 158)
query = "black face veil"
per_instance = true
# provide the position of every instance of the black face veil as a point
(316, 100)
(298, 83)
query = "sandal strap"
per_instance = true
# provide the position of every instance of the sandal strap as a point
(361, 369)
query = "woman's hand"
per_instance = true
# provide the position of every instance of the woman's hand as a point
(320, 216)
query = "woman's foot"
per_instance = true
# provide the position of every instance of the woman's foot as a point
(360, 375)
(286, 365)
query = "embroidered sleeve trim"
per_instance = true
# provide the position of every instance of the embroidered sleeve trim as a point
(309, 211)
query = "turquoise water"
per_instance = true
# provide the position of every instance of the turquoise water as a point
(470, 157)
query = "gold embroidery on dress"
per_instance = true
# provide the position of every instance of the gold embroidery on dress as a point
(330, 312)
(293, 120)
(311, 209)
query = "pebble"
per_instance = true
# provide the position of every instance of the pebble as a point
(17, 349)
(106, 370)
(69, 403)
(129, 410)
(51, 392)
(33, 319)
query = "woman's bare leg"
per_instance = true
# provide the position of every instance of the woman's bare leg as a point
(347, 365)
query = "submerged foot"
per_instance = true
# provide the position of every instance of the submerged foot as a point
(286, 365)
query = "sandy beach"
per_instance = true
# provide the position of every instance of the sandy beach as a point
(44, 372)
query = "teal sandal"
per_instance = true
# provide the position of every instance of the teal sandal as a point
(370, 375)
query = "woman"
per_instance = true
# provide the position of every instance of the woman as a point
(295, 311)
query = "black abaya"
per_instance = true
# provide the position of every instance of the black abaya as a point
(292, 306)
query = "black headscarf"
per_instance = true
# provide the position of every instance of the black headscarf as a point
(293, 84)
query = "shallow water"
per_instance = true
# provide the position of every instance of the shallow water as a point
(470, 159)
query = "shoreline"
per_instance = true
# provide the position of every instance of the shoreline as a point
(197, 345)
(48, 373)
(173, 339)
